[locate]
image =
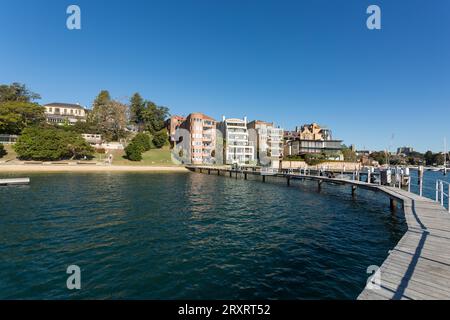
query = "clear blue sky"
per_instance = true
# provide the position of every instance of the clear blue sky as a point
(291, 62)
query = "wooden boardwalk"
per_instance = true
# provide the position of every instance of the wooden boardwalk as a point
(418, 268)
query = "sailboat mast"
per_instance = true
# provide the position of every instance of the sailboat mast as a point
(445, 156)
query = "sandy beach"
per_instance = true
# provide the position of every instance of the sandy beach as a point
(87, 168)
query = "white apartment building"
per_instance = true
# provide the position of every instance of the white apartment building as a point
(237, 147)
(268, 141)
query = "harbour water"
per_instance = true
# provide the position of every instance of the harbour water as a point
(189, 236)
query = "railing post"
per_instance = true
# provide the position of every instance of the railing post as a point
(442, 193)
(448, 197)
(420, 187)
(437, 190)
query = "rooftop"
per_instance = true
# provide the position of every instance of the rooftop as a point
(65, 105)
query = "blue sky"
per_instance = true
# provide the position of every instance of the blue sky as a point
(291, 62)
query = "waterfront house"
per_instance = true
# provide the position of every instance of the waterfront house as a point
(267, 140)
(201, 133)
(237, 149)
(61, 113)
(202, 130)
(313, 139)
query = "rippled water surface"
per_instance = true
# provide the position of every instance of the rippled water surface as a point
(189, 236)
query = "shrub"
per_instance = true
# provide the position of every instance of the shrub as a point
(314, 159)
(138, 145)
(143, 140)
(51, 144)
(2, 151)
(160, 138)
(134, 151)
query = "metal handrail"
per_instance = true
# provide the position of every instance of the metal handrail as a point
(440, 192)
(440, 188)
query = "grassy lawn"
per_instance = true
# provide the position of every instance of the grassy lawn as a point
(154, 157)
(11, 154)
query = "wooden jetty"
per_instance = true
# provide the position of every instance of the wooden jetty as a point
(14, 181)
(418, 268)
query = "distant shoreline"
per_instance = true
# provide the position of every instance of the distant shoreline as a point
(87, 168)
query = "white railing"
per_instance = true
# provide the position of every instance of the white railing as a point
(265, 171)
(400, 180)
(441, 186)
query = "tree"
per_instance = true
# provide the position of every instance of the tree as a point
(17, 115)
(17, 92)
(109, 116)
(160, 138)
(102, 99)
(379, 156)
(76, 146)
(137, 108)
(349, 155)
(154, 117)
(40, 143)
(438, 159)
(429, 158)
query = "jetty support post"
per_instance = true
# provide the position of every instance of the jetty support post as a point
(209, 171)
(218, 172)
(263, 178)
(353, 191)
(231, 173)
(245, 175)
(319, 185)
(288, 180)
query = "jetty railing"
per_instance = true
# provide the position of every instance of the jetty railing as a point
(441, 194)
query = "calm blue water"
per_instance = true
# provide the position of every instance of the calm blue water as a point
(188, 236)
